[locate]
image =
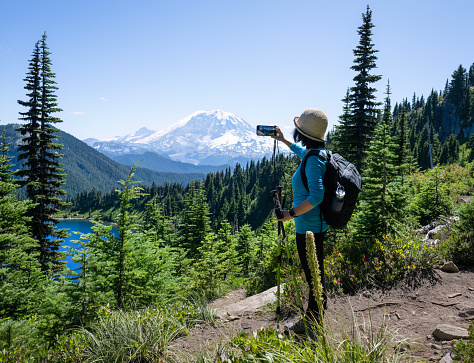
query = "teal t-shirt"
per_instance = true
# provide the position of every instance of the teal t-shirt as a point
(315, 170)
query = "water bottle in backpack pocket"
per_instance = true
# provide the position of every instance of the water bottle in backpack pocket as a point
(338, 198)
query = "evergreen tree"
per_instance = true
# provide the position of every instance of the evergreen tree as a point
(381, 199)
(471, 75)
(264, 259)
(387, 108)
(196, 221)
(42, 174)
(217, 262)
(226, 244)
(156, 223)
(341, 142)
(405, 159)
(125, 227)
(449, 151)
(244, 249)
(470, 145)
(124, 268)
(364, 113)
(208, 266)
(20, 275)
(457, 86)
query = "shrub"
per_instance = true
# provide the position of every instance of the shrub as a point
(436, 191)
(361, 264)
(458, 246)
(464, 350)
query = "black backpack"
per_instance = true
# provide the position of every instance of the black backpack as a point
(339, 174)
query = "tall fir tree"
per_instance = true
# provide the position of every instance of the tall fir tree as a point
(21, 278)
(457, 85)
(364, 112)
(381, 200)
(196, 222)
(41, 172)
(244, 248)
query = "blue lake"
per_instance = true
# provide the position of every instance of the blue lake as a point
(75, 225)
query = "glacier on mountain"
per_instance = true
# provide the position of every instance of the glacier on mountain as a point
(204, 137)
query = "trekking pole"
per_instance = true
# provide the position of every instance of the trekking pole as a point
(277, 199)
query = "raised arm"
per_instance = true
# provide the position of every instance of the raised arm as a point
(281, 137)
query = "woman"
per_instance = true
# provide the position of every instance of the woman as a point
(310, 128)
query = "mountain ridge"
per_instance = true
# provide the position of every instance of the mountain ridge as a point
(204, 137)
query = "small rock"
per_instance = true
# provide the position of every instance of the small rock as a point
(232, 318)
(454, 295)
(467, 312)
(450, 332)
(446, 359)
(403, 347)
(449, 266)
(471, 288)
(436, 347)
(221, 314)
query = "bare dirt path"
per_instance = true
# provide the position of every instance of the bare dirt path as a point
(413, 309)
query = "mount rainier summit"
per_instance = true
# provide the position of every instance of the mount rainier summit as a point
(203, 138)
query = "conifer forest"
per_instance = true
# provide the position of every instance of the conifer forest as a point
(179, 246)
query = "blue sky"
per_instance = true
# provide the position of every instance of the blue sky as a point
(122, 65)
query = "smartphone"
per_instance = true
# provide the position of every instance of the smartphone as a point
(263, 130)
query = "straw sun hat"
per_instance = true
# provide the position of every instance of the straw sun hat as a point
(312, 123)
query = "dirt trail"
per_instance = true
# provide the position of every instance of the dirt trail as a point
(413, 309)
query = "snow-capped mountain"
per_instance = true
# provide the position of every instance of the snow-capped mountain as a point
(205, 137)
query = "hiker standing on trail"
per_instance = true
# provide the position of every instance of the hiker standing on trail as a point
(310, 128)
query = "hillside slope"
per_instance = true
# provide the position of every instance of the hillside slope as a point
(156, 162)
(86, 168)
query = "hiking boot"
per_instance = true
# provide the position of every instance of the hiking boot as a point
(297, 327)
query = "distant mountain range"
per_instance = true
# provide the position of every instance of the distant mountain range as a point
(87, 168)
(213, 138)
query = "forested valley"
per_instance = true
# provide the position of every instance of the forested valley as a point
(179, 246)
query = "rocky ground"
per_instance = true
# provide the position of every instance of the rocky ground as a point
(426, 314)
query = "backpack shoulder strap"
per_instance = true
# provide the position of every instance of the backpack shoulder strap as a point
(315, 152)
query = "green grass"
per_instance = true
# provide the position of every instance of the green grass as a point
(140, 336)
(332, 343)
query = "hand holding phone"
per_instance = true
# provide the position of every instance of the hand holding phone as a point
(263, 130)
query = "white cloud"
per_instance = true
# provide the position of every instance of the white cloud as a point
(77, 113)
(103, 99)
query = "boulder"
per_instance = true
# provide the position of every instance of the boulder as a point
(247, 306)
(449, 266)
(450, 332)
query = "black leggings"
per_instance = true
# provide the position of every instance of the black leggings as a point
(312, 311)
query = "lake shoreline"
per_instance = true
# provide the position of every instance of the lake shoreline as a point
(84, 219)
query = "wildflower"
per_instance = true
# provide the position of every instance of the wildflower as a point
(314, 267)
